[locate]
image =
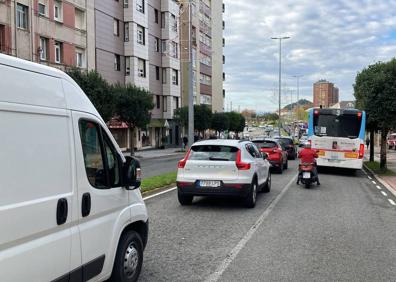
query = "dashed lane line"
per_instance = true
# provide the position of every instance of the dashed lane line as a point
(215, 276)
(392, 202)
(378, 187)
(374, 182)
(369, 177)
(384, 193)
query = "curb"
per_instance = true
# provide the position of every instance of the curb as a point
(380, 180)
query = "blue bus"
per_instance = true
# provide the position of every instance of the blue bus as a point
(338, 135)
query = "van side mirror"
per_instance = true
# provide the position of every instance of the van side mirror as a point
(132, 174)
(265, 156)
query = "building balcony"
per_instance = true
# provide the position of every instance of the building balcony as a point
(205, 69)
(205, 89)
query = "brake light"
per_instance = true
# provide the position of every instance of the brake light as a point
(361, 151)
(316, 112)
(182, 163)
(359, 114)
(239, 164)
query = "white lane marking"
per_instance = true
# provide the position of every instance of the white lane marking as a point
(369, 177)
(392, 202)
(364, 172)
(374, 182)
(215, 276)
(383, 193)
(378, 187)
(160, 193)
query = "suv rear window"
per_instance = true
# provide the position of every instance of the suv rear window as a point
(265, 144)
(213, 153)
(286, 141)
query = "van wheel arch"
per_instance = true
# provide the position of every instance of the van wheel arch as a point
(141, 228)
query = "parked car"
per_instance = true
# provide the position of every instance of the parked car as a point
(223, 168)
(69, 199)
(392, 141)
(291, 148)
(277, 154)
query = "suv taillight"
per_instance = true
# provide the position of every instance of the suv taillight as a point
(361, 151)
(239, 164)
(182, 163)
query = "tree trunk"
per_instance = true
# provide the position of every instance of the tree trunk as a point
(372, 137)
(132, 141)
(384, 134)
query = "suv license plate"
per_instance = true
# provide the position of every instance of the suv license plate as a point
(306, 175)
(209, 183)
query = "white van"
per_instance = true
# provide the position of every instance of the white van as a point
(70, 209)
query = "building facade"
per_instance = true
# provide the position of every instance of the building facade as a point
(49, 32)
(325, 94)
(137, 42)
(206, 52)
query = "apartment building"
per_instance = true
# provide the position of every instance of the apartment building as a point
(137, 42)
(49, 32)
(207, 52)
(325, 94)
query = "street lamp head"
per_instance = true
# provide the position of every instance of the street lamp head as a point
(282, 37)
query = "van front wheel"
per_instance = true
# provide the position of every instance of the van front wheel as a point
(129, 258)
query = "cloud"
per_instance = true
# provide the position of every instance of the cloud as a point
(330, 39)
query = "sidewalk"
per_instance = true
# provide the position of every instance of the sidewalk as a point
(388, 181)
(156, 153)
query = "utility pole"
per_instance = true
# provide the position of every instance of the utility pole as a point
(280, 77)
(298, 91)
(190, 79)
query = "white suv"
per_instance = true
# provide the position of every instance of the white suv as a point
(223, 168)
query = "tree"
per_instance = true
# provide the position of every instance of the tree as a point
(97, 90)
(374, 92)
(237, 122)
(202, 117)
(133, 106)
(181, 116)
(220, 122)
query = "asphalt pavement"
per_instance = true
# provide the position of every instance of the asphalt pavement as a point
(343, 230)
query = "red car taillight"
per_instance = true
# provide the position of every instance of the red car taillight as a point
(239, 164)
(182, 163)
(361, 151)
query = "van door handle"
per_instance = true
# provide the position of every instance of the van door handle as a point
(86, 204)
(61, 211)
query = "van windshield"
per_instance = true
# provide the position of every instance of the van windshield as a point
(213, 153)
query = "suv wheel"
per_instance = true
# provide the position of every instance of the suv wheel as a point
(250, 200)
(129, 258)
(184, 200)
(267, 186)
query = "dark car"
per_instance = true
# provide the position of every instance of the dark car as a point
(277, 154)
(290, 146)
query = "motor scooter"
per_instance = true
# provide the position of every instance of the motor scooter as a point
(306, 174)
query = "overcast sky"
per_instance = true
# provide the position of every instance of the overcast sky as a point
(330, 39)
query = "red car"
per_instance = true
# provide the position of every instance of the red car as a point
(277, 154)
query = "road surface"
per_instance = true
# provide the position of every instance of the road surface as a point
(343, 230)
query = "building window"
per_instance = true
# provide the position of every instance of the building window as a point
(117, 62)
(157, 73)
(173, 22)
(22, 16)
(58, 52)
(126, 31)
(116, 27)
(173, 50)
(163, 19)
(43, 48)
(79, 19)
(42, 9)
(156, 16)
(176, 102)
(141, 68)
(158, 102)
(127, 66)
(80, 58)
(156, 44)
(140, 6)
(205, 79)
(2, 38)
(58, 16)
(126, 2)
(165, 102)
(175, 77)
(163, 75)
(163, 46)
(140, 35)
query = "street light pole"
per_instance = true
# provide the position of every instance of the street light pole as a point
(280, 76)
(298, 90)
(190, 79)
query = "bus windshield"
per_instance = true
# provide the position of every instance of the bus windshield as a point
(337, 126)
